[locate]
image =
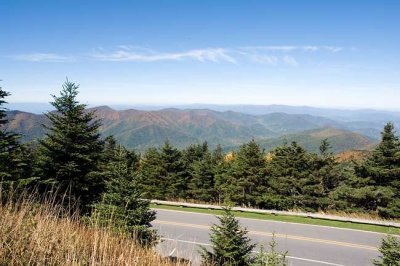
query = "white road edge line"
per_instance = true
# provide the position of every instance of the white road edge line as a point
(252, 219)
(290, 257)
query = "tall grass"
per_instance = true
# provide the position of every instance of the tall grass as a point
(41, 232)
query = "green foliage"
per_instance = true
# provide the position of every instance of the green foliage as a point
(162, 173)
(221, 181)
(289, 171)
(339, 140)
(152, 175)
(168, 173)
(271, 257)
(392, 208)
(246, 175)
(174, 171)
(201, 185)
(121, 205)
(383, 166)
(390, 250)
(72, 149)
(15, 159)
(381, 172)
(8, 143)
(229, 243)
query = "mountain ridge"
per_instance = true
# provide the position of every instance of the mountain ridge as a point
(142, 129)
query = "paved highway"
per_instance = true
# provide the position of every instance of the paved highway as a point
(308, 245)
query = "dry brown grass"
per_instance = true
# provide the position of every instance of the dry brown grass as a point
(357, 215)
(373, 216)
(34, 233)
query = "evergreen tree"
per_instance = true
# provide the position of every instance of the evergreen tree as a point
(383, 167)
(12, 163)
(162, 173)
(229, 243)
(152, 175)
(121, 205)
(72, 149)
(327, 168)
(201, 185)
(325, 148)
(381, 171)
(247, 175)
(174, 171)
(390, 250)
(221, 178)
(289, 170)
(218, 155)
(111, 146)
(194, 170)
(325, 175)
(193, 153)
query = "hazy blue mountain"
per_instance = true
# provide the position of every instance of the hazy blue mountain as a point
(35, 108)
(141, 129)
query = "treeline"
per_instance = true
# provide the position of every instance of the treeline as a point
(100, 174)
(288, 177)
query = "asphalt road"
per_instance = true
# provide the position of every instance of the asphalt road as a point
(307, 245)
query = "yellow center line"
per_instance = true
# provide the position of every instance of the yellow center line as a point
(301, 238)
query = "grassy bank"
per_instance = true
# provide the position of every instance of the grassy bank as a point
(290, 219)
(34, 233)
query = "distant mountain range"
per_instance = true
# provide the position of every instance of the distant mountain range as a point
(367, 122)
(141, 129)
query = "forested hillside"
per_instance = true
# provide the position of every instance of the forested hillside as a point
(103, 176)
(340, 140)
(140, 130)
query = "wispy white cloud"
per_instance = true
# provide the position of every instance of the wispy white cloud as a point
(290, 60)
(261, 58)
(126, 53)
(268, 55)
(333, 49)
(43, 57)
(293, 48)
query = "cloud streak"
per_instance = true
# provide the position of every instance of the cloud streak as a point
(291, 48)
(133, 55)
(43, 57)
(268, 55)
(284, 55)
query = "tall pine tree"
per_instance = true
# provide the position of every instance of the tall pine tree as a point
(201, 185)
(288, 169)
(247, 175)
(174, 170)
(122, 205)
(11, 163)
(72, 149)
(382, 172)
(152, 175)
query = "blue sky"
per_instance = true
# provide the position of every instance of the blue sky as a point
(317, 53)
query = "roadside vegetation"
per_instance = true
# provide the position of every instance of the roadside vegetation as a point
(38, 231)
(95, 214)
(288, 218)
(390, 252)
